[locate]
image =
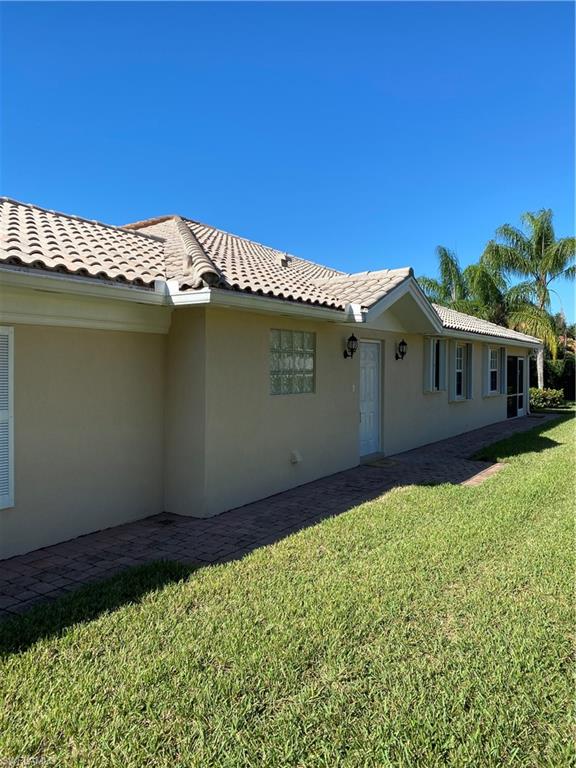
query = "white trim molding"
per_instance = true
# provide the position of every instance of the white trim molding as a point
(30, 296)
(40, 307)
(220, 297)
(497, 340)
(7, 415)
(36, 280)
(409, 286)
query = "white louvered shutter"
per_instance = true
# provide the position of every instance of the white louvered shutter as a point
(503, 368)
(451, 371)
(6, 419)
(428, 350)
(443, 346)
(485, 370)
(469, 371)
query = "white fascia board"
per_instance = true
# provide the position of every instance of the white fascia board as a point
(218, 297)
(166, 294)
(354, 313)
(29, 307)
(408, 286)
(80, 286)
(498, 341)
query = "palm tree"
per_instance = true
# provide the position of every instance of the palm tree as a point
(537, 258)
(451, 287)
(476, 290)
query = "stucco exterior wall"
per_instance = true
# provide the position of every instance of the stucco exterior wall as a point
(113, 426)
(412, 417)
(88, 436)
(185, 425)
(230, 441)
(250, 433)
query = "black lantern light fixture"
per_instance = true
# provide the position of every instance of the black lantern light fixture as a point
(351, 346)
(401, 351)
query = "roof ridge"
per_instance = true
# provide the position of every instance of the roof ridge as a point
(406, 271)
(6, 199)
(197, 264)
(143, 223)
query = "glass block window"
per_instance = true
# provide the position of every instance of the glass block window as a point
(292, 362)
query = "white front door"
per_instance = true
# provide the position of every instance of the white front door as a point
(369, 397)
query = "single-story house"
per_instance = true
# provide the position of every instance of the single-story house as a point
(167, 365)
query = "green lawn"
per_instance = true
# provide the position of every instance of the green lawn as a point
(430, 628)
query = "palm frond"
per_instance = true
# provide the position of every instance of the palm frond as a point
(505, 259)
(485, 285)
(559, 256)
(541, 230)
(535, 322)
(519, 252)
(521, 293)
(433, 289)
(450, 273)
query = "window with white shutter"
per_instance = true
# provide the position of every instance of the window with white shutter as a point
(494, 364)
(434, 365)
(461, 372)
(6, 418)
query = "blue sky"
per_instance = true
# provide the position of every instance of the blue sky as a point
(360, 135)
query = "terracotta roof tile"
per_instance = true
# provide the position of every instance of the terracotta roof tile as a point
(458, 321)
(35, 237)
(255, 268)
(195, 254)
(185, 259)
(364, 288)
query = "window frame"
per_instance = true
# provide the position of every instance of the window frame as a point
(494, 369)
(435, 365)
(297, 369)
(465, 359)
(462, 371)
(7, 417)
(490, 352)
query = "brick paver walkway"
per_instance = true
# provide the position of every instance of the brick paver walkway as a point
(47, 573)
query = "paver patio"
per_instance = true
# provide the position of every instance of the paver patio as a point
(47, 573)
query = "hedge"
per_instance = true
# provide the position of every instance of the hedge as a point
(546, 398)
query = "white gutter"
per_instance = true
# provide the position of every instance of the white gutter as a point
(164, 293)
(219, 297)
(502, 340)
(168, 294)
(80, 286)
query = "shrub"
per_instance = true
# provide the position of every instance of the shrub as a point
(546, 398)
(558, 374)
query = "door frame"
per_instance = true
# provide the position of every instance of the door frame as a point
(520, 385)
(379, 344)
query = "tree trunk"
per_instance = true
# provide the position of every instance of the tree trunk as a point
(540, 368)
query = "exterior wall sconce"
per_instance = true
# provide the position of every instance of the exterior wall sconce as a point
(401, 350)
(351, 346)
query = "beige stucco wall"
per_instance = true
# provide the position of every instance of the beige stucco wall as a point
(88, 415)
(231, 440)
(112, 426)
(412, 417)
(250, 434)
(185, 425)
